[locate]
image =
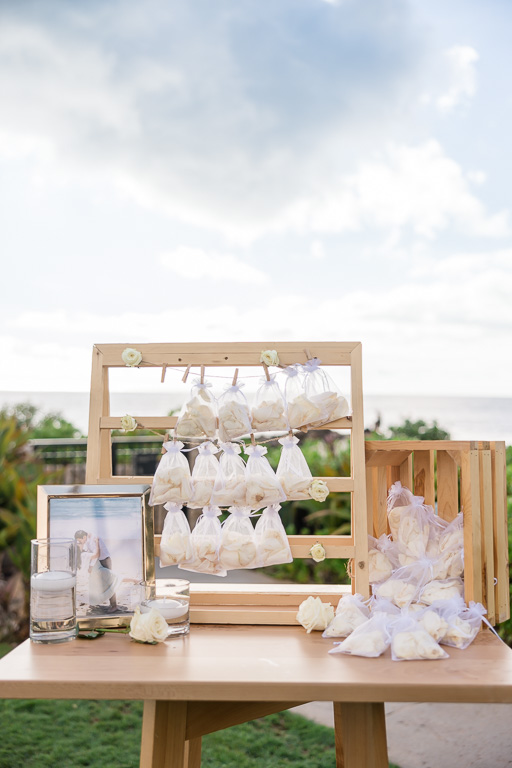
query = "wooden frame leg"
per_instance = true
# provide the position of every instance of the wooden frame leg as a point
(360, 733)
(163, 734)
(193, 753)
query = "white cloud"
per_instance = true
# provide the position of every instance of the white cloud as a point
(197, 264)
(317, 250)
(461, 77)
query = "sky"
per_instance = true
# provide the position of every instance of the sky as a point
(293, 170)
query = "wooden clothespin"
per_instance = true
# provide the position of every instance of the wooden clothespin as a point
(185, 375)
(202, 374)
(166, 440)
(290, 433)
(164, 368)
(235, 377)
(308, 354)
(253, 440)
(265, 368)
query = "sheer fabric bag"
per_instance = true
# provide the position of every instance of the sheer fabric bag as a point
(405, 584)
(175, 544)
(268, 412)
(229, 487)
(172, 480)
(323, 393)
(271, 538)
(238, 541)
(300, 410)
(204, 474)
(411, 641)
(205, 539)
(382, 558)
(293, 472)
(234, 414)
(464, 623)
(370, 639)
(262, 486)
(198, 417)
(352, 611)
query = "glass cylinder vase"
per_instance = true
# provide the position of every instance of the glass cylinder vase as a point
(53, 590)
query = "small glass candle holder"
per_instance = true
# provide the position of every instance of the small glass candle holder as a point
(53, 590)
(172, 598)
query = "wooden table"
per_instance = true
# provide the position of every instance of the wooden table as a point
(220, 676)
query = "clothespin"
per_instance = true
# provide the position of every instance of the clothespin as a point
(166, 439)
(202, 374)
(253, 441)
(185, 375)
(290, 433)
(164, 368)
(265, 368)
(308, 354)
(235, 377)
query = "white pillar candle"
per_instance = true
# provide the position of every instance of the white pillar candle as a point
(52, 581)
(170, 609)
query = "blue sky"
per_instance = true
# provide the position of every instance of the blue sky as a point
(300, 169)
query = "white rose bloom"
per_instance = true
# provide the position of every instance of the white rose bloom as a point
(416, 644)
(269, 357)
(148, 627)
(317, 552)
(131, 357)
(314, 614)
(319, 490)
(128, 423)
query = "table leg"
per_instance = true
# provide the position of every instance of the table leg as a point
(192, 753)
(163, 734)
(360, 733)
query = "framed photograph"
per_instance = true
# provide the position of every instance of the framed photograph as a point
(113, 528)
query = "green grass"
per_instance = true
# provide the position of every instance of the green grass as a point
(99, 734)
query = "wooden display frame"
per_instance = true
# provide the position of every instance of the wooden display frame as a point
(228, 603)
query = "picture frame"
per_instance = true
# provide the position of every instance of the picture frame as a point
(113, 527)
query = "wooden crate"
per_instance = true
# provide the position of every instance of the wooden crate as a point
(227, 603)
(452, 476)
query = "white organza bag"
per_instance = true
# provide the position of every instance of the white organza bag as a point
(449, 562)
(405, 584)
(271, 538)
(268, 412)
(229, 487)
(205, 540)
(429, 618)
(370, 639)
(172, 480)
(262, 486)
(352, 611)
(175, 544)
(464, 623)
(299, 409)
(411, 641)
(234, 414)
(445, 589)
(292, 471)
(204, 474)
(410, 523)
(238, 541)
(382, 558)
(322, 392)
(198, 416)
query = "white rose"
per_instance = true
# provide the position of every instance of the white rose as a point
(313, 614)
(269, 357)
(317, 552)
(148, 627)
(319, 490)
(128, 423)
(131, 356)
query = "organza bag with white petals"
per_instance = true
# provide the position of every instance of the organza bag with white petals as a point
(464, 622)
(410, 523)
(198, 416)
(352, 611)
(268, 412)
(369, 639)
(411, 641)
(292, 471)
(205, 539)
(382, 558)
(234, 414)
(449, 562)
(204, 475)
(320, 390)
(175, 544)
(262, 486)
(299, 409)
(271, 538)
(172, 480)
(441, 589)
(238, 541)
(405, 584)
(229, 487)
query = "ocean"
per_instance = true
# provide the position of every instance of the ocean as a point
(465, 418)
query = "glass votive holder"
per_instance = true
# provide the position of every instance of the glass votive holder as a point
(53, 590)
(172, 598)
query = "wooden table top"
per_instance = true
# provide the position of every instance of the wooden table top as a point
(250, 663)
